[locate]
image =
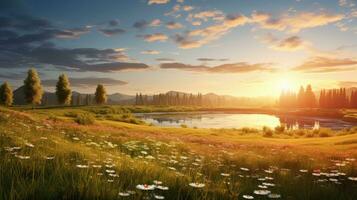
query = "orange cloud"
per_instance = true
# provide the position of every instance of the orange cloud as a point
(158, 1)
(295, 23)
(327, 64)
(240, 67)
(155, 37)
(199, 37)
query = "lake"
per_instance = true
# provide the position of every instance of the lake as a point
(238, 120)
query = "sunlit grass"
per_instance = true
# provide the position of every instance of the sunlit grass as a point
(54, 157)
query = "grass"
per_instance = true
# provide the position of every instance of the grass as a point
(45, 154)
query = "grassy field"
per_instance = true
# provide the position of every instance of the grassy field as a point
(106, 153)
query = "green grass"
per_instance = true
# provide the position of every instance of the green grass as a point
(45, 154)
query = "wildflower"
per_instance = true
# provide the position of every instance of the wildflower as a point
(29, 145)
(303, 170)
(248, 197)
(110, 180)
(262, 192)
(82, 166)
(124, 194)
(162, 187)
(109, 171)
(352, 178)
(274, 196)
(22, 157)
(156, 182)
(225, 175)
(97, 166)
(49, 157)
(145, 187)
(197, 185)
(269, 184)
(159, 197)
(244, 169)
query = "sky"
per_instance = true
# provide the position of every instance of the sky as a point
(228, 47)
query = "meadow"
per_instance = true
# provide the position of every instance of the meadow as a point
(104, 152)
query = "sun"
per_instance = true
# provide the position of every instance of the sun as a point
(285, 84)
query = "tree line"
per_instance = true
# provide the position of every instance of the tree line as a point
(329, 98)
(33, 91)
(170, 99)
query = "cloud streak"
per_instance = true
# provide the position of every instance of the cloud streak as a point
(296, 22)
(240, 67)
(327, 64)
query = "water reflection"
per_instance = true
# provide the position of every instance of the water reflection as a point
(239, 120)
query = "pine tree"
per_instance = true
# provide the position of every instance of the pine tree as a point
(100, 95)
(301, 98)
(310, 97)
(32, 88)
(63, 90)
(6, 95)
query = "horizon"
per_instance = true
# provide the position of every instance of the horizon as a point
(236, 48)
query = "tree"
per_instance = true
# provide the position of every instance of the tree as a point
(32, 87)
(310, 97)
(6, 96)
(100, 95)
(63, 90)
(301, 98)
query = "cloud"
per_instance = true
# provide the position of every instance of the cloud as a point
(216, 15)
(173, 25)
(155, 37)
(141, 24)
(188, 8)
(347, 84)
(327, 64)
(240, 67)
(165, 59)
(111, 31)
(24, 22)
(157, 1)
(155, 22)
(212, 59)
(72, 33)
(151, 52)
(199, 37)
(113, 22)
(296, 22)
(86, 82)
(292, 43)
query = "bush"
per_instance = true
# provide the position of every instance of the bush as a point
(183, 126)
(280, 129)
(300, 132)
(249, 130)
(71, 114)
(53, 118)
(267, 132)
(84, 119)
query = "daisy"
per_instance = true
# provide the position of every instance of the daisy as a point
(160, 187)
(145, 187)
(274, 196)
(159, 197)
(124, 194)
(248, 197)
(262, 192)
(197, 185)
(82, 166)
(225, 175)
